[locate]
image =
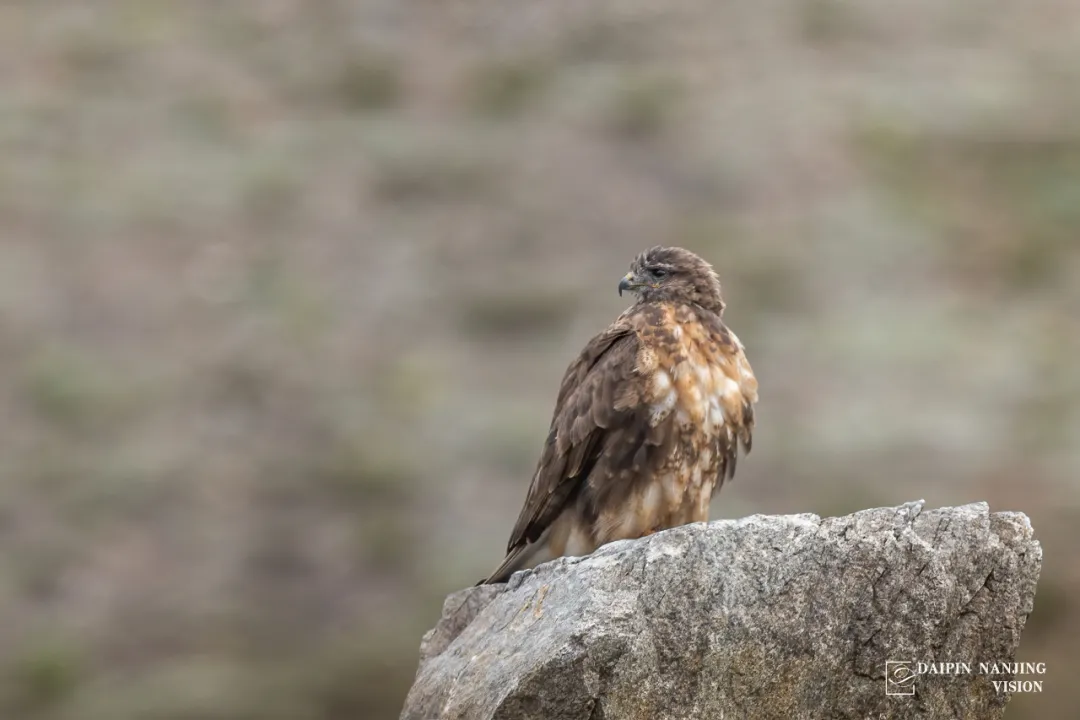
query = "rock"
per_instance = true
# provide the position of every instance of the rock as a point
(764, 617)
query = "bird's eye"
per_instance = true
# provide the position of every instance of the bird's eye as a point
(659, 272)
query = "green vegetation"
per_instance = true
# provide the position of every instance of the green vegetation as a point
(1004, 201)
(507, 88)
(42, 674)
(532, 314)
(369, 81)
(642, 106)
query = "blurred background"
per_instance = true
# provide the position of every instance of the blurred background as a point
(287, 290)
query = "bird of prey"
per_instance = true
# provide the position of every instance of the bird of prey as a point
(647, 422)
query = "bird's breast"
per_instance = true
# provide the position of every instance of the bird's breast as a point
(695, 384)
(696, 388)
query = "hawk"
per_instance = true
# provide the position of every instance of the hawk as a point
(647, 422)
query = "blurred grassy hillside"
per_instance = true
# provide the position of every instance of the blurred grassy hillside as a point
(287, 289)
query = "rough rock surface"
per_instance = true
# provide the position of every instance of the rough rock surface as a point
(764, 617)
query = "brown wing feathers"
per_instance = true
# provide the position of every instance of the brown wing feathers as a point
(577, 431)
(585, 412)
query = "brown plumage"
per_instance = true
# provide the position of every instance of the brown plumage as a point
(647, 422)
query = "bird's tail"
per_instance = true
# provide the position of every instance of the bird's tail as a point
(513, 562)
(522, 557)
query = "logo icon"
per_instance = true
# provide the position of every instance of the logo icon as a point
(899, 678)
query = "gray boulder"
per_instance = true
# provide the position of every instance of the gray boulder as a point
(764, 617)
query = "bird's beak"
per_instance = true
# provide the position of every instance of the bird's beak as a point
(627, 283)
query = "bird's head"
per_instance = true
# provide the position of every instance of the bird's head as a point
(673, 274)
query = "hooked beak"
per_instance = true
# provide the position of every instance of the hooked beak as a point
(628, 283)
